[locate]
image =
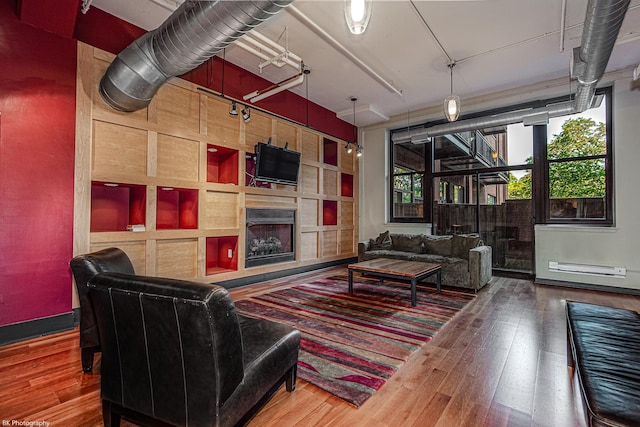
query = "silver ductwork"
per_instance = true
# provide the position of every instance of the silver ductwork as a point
(601, 27)
(195, 32)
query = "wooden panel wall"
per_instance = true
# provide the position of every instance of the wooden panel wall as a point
(164, 148)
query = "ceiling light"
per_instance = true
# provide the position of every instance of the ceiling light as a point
(233, 111)
(358, 151)
(246, 114)
(452, 102)
(357, 14)
(348, 148)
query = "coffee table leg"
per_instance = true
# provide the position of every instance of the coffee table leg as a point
(413, 291)
(438, 281)
(350, 281)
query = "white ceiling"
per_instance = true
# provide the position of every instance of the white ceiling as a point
(498, 44)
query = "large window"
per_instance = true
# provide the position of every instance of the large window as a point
(564, 168)
(578, 163)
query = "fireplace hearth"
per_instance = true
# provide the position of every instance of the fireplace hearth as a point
(270, 236)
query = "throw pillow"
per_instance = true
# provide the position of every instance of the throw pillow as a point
(437, 245)
(462, 244)
(383, 241)
(407, 243)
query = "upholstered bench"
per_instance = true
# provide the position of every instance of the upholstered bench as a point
(603, 347)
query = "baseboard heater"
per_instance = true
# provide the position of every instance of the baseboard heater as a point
(593, 270)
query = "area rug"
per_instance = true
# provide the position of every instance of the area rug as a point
(352, 344)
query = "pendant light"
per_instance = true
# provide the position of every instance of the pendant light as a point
(357, 14)
(452, 102)
(355, 130)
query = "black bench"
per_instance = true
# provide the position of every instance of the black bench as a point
(603, 347)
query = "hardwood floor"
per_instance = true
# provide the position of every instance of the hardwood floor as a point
(500, 362)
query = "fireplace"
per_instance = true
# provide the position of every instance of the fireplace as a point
(270, 236)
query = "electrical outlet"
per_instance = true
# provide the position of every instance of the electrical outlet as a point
(230, 253)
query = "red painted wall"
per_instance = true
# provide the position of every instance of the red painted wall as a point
(37, 136)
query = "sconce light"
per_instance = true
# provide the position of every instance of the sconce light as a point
(348, 148)
(246, 114)
(233, 111)
(494, 156)
(357, 14)
(359, 151)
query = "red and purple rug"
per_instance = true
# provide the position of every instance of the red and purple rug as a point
(351, 344)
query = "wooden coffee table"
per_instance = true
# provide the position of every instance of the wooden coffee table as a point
(396, 269)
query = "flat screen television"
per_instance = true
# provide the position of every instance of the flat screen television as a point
(275, 164)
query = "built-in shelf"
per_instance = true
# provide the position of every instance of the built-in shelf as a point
(114, 206)
(346, 185)
(222, 254)
(329, 212)
(330, 152)
(222, 165)
(177, 208)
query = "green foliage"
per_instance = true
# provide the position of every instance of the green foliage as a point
(579, 137)
(520, 188)
(581, 178)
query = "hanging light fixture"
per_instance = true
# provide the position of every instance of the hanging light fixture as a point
(355, 131)
(357, 14)
(348, 148)
(452, 102)
(233, 111)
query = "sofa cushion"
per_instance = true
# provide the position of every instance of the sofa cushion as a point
(407, 242)
(437, 245)
(461, 244)
(383, 241)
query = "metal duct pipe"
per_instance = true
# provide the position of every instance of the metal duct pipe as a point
(601, 27)
(422, 135)
(195, 32)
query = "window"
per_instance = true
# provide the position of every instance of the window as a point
(409, 165)
(577, 175)
(564, 169)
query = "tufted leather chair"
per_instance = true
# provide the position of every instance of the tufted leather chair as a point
(175, 352)
(84, 267)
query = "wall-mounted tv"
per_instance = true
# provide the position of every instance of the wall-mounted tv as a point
(275, 164)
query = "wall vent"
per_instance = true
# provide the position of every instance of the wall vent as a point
(593, 270)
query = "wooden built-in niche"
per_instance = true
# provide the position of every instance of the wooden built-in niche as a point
(177, 171)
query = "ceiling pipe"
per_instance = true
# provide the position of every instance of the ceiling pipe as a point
(275, 45)
(259, 95)
(195, 32)
(601, 27)
(269, 51)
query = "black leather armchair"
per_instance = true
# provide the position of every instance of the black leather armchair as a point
(84, 267)
(176, 352)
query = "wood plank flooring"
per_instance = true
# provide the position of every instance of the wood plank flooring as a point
(500, 362)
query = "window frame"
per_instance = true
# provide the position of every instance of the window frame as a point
(544, 213)
(539, 168)
(426, 187)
